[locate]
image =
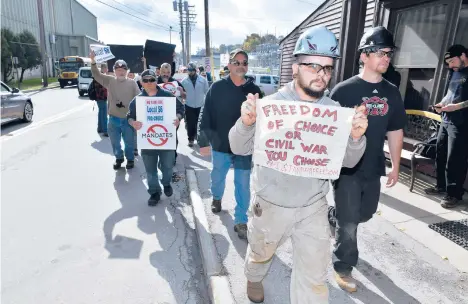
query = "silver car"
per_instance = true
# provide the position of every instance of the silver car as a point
(15, 105)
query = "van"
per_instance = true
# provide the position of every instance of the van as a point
(268, 84)
(85, 77)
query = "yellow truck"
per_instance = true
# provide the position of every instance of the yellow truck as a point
(68, 68)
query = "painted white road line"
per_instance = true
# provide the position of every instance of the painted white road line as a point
(33, 126)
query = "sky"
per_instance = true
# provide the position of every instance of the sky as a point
(230, 20)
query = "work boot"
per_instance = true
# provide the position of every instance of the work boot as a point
(449, 202)
(241, 230)
(190, 143)
(216, 206)
(154, 199)
(135, 152)
(118, 164)
(346, 282)
(105, 134)
(434, 191)
(255, 292)
(130, 164)
(332, 216)
(168, 190)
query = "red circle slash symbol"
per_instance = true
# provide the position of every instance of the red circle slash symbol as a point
(162, 141)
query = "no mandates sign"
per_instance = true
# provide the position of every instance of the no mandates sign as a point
(157, 115)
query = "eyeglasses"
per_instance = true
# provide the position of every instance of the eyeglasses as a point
(316, 68)
(148, 80)
(238, 63)
(382, 53)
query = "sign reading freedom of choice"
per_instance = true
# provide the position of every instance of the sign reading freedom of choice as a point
(157, 115)
(301, 138)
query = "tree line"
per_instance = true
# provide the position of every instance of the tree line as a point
(25, 47)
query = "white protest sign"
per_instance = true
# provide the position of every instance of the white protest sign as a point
(152, 67)
(180, 76)
(102, 52)
(301, 138)
(157, 115)
(171, 87)
(207, 61)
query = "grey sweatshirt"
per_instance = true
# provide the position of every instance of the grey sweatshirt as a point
(119, 92)
(283, 189)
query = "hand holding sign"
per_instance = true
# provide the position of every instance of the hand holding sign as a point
(137, 125)
(92, 55)
(359, 124)
(249, 110)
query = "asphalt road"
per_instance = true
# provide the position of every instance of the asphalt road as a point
(76, 231)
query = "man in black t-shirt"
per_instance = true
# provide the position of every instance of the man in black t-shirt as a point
(357, 191)
(452, 143)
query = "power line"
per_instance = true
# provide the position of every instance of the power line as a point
(137, 11)
(152, 23)
(303, 1)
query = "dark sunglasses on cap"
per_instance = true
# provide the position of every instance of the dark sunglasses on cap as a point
(148, 80)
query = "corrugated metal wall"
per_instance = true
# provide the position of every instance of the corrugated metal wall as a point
(84, 23)
(328, 14)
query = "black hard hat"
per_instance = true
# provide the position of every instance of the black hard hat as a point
(378, 37)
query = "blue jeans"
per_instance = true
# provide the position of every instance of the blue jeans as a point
(119, 128)
(102, 116)
(151, 158)
(242, 167)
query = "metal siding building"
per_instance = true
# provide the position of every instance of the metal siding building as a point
(329, 14)
(69, 27)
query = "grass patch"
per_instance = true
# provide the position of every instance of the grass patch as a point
(33, 83)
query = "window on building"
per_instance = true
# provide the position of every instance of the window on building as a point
(418, 36)
(265, 79)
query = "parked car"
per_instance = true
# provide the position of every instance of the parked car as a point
(15, 105)
(85, 77)
(267, 83)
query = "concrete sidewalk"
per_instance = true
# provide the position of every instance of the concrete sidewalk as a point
(393, 267)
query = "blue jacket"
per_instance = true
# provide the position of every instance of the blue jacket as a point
(195, 94)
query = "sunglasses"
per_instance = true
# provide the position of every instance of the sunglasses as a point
(238, 63)
(148, 80)
(381, 54)
(316, 68)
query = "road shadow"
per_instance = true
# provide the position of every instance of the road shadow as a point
(179, 244)
(13, 126)
(189, 163)
(103, 145)
(133, 196)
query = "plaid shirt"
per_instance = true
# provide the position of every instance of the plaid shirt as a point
(101, 92)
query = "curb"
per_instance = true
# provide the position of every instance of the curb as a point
(218, 284)
(41, 89)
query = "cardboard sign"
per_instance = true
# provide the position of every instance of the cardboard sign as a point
(102, 52)
(302, 138)
(180, 76)
(171, 87)
(157, 115)
(132, 54)
(157, 53)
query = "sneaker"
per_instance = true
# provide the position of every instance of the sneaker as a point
(449, 202)
(241, 230)
(216, 206)
(434, 191)
(118, 164)
(130, 164)
(346, 282)
(135, 152)
(168, 190)
(255, 292)
(154, 199)
(190, 144)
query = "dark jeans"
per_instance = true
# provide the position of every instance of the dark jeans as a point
(191, 121)
(452, 158)
(102, 116)
(154, 159)
(118, 129)
(356, 200)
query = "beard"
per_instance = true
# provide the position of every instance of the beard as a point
(121, 77)
(307, 88)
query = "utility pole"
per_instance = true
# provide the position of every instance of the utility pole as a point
(187, 31)
(207, 31)
(182, 32)
(43, 43)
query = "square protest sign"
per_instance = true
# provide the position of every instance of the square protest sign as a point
(103, 52)
(157, 115)
(302, 138)
(171, 87)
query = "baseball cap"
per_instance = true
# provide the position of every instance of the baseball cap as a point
(455, 50)
(120, 64)
(237, 51)
(192, 66)
(148, 73)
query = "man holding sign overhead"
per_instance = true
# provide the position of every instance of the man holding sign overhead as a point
(155, 114)
(299, 140)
